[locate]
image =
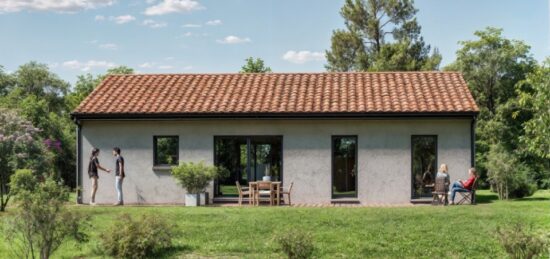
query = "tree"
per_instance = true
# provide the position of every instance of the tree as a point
(6, 82)
(508, 175)
(254, 66)
(36, 79)
(21, 147)
(364, 45)
(42, 223)
(535, 96)
(492, 66)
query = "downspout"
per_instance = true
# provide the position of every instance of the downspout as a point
(78, 162)
(473, 142)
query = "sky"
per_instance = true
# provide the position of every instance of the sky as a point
(75, 37)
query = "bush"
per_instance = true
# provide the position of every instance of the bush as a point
(195, 177)
(42, 223)
(295, 244)
(521, 243)
(138, 238)
(508, 177)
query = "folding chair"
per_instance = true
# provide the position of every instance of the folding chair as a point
(470, 195)
(441, 191)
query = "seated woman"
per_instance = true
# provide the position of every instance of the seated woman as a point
(443, 172)
(463, 186)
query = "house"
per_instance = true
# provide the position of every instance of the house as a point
(339, 137)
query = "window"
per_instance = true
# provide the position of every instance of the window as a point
(424, 165)
(344, 166)
(166, 150)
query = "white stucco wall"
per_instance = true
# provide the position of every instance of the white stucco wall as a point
(384, 155)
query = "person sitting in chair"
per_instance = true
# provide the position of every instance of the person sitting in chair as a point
(463, 186)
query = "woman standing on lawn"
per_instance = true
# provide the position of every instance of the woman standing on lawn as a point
(93, 172)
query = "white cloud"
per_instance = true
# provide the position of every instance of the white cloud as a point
(191, 25)
(303, 56)
(169, 58)
(231, 39)
(60, 6)
(147, 65)
(150, 1)
(88, 65)
(214, 22)
(99, 18)
(122, 19)
(109, 46)
(153, 24)
(187, 67)
(173, 6)
(165, 67)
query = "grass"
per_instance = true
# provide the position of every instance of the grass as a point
(420, 231)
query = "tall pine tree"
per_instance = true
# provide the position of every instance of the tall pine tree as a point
(380, 35)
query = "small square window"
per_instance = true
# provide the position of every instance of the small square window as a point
(166, 150)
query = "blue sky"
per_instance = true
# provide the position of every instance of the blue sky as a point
(204, 36)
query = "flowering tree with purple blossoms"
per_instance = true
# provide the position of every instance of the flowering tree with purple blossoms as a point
(20, 148)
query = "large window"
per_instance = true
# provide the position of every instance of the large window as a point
(166, 150)
(344, 166)
(247, 158)
(424, 165)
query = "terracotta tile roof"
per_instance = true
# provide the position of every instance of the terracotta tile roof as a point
(280, 93)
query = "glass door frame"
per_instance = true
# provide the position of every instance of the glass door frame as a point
(436, 168)
(339, 196)
(249, 139)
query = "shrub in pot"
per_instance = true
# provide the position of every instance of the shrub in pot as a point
(195, 177)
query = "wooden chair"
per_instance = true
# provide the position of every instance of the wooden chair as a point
(469, 195)
(244, 191)
(264, 189)
(441, 191)
(286, 192)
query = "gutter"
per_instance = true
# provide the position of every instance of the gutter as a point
(305, 115)
(473, 141)
(78, 162)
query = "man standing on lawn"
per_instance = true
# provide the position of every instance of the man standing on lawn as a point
(119, 175)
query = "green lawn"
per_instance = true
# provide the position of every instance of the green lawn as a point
(422, 231)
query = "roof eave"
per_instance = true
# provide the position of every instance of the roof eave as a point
(305, 115)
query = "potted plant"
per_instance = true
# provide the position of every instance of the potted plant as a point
(195, 177)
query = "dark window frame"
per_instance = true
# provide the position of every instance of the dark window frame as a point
(332, 166)
(155, 138)
(412, 159)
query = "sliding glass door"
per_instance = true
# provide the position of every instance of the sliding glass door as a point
(247, 158)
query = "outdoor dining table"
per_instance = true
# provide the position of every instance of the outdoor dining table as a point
(253, 187)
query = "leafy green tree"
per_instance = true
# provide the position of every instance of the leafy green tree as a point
(492, 66)
(6, 82)
(508, 175)
(254, 66)
(20, 147)
(380, 35)
(536, 98)
(36, 79)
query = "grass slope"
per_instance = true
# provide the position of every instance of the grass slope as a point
(422, 231)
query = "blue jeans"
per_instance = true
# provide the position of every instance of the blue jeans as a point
(118, 187)
(457, 187)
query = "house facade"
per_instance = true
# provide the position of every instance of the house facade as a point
(368, 138)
